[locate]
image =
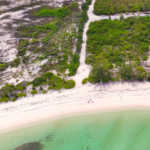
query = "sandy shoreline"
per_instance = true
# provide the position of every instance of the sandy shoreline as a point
(82, 100)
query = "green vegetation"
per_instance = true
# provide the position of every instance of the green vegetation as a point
(6, 92)
(9, 92)
(44, 91)
(12, 92)
(109, 7)
(69, 84)
(14, 99)
(5, 99)
(84, 81)
(74, 64)
(54, 82)
(21, 95)
(34, 92)
(3, 66)
(116, 48)
(57, 12)
(21, 86)
(15, 63)
(38, 81)
(52, 39)
(126, 72)
(82, 21)
(36, 31)
(100, 73)
(73, 6)
(22, 47)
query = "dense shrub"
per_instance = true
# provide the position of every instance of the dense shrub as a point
(140, 73)
(14, 99)
(3, 66)
(74, 64)
(57, 12)
(21, 95)
(118, 42)
(109, 7)
(84, 81)
(44, 91)
(69, 84)
(99, 73)
(21, 86)
(55, 83)
(74, 6)
(34, 92)
(148, 77)
(6, 90)
(38, 81)
(5, 99)
(48, 75)
(126, 72)
(36, 31)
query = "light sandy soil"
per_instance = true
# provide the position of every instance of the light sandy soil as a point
(83, 99)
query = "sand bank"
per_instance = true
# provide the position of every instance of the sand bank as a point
(81, 100)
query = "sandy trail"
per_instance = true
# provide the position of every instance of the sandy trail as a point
(84, 70)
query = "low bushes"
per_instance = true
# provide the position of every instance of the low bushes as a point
(119, 44)
(140, 73)
(34, 92)
(57, 12)
(8, 92)
(55, 83)
(69, 84)
(5, 99)
(109, 7)
(22, 47)
(44, 91)
(35, 31)
(99, 73)
(84, 81)
(126, 72)
(15, 63)
(14, 99)
(3, 66)
(21, 86)
(73, 6)
(21, 95)
(74, 64)
(83, 20)
(38, 81)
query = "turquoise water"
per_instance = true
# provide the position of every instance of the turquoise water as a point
(128, 130)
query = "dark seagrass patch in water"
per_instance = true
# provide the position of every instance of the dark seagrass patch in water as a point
(30, 146)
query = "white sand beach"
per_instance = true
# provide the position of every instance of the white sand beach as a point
(81, 100)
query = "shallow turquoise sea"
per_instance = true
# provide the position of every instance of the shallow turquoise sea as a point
(126, 130)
